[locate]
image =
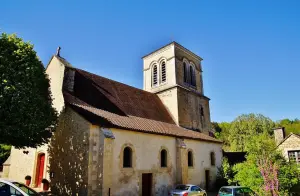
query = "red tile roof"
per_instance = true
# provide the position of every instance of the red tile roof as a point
(131, 101)
(136, 123)
(118, 105)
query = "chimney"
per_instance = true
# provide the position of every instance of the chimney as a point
(68, 83)
(279, 134)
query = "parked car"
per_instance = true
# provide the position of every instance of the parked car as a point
(235, 191)
(13, 188)
(187, 190)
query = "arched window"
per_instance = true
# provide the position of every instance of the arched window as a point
(190, 159)
(192, 76)
(127, 157)
(163, 158)
(185, 72)
(212, 159)
(163, 72)
(154, 76)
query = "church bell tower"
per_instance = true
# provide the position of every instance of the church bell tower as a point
(175, 74)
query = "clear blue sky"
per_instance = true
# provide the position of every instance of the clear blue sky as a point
(251, 49)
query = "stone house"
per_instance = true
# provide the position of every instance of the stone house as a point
(114, 139)
(288, 145)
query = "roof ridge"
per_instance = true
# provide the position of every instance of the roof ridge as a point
(113, 80)
(289, 135)
(64, 61)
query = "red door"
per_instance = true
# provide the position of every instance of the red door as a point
(40, 169)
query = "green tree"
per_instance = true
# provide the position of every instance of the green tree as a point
(260, 147)
(4, 153)
(225, 175)
(26, 113)
(221, 132)
(245, 127)
(289, 178)
(248, 174)
(265, 163)
(291, 126)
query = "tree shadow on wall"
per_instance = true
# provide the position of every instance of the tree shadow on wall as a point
(68, 152)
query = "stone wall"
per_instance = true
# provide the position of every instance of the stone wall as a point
(189, 108)
(183, 101)
(166, 55)
(201, 156)
(169, 99)
(69, 155)
(55, 72)
(279, 134)
(96, 152)
(24, 162)
(290, 144)
(180, 71)
(5, 171)
(146, 150)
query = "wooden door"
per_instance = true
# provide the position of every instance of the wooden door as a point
(40, 169)
(147, 184)
(207, 180)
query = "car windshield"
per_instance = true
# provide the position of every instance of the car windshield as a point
(226, 190)
(243, 191)
(26, 189)
(182, 187)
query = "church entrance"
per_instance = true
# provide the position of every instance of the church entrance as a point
(207, 180)
(40, 169)
(147, 184)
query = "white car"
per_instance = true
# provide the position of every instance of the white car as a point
(13, 188)
(187, 190)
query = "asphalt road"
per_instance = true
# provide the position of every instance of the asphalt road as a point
(212, 193)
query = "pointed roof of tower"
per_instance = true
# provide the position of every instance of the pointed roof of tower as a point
(178, 46)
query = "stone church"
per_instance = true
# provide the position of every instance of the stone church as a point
(114, 139)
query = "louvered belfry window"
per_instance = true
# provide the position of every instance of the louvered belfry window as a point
(154, 76)
(193, 76)
(163, 72)
(185, 71)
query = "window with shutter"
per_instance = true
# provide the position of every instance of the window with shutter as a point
(154, 76)
(163, 72)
